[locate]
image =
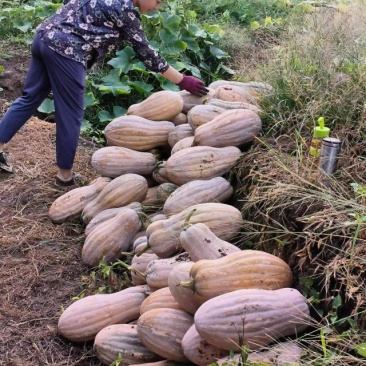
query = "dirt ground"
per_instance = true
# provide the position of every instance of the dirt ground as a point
(40, 266)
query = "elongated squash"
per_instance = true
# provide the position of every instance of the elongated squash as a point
(161, 298)
(233, 105)
(198, 350)
(233, 93)
(108, 214)
(137, 133)
(198, 162)
(191, 100)
(182, 295)
(83, 319)
(201, 243)
(171, 326)
(160, 106)
(122, 339)
(108, 240)
(121, 191)
(216, 189)
(179, 133)
(113, 161)
(239, 270)
(72, 203)
(201, 114)
(282, 354)
(157, 271)
(259, 317)
(235, 127)
(138, 267)
(224, 220)
(182, 144)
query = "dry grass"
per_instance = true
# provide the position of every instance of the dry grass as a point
(40, 267)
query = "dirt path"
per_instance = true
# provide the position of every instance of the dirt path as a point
(40, 267)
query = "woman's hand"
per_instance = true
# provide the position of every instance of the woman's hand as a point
(193, 85)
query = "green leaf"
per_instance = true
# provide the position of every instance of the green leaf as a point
(104, 116)
(361, 349)
(85, 125)
(90, 100)
(196, 31)
(172, 23)
(174, 48)
(23, 26)
(215, 29)
(2, 68)
(113, 84)
(337, 302)
(123, 60)
(47, 106)
(142, 87)
(218, 53)
(118, 111)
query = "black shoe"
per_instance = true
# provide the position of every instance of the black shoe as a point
(75, 180)
(4, 163)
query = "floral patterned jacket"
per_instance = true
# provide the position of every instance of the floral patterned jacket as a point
(86, 29)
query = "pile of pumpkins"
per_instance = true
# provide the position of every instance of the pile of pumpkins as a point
(195, 296)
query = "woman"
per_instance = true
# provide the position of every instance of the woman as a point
(65, 45)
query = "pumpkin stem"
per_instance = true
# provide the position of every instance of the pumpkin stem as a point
(144, 218)
(187, 284)
(130, 268)
(143, 250)
(186, 224)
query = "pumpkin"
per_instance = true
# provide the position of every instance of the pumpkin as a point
(83, 319)
(108, 240)
(180, 119)
(71, 204)
(161, 298)
(160, 106)
(113, 161)
(182, 144)
(216, 189)
(198, 162)
(108, 214)
(138, 267)
(238, 270)
(179, 133)
(164, 191)
(198, 351)
(157, 271)
(191, 100)
(233, 93)
(182, 295)
(121, 191)
(171, 326)
(121, 339)
(201, 114)
(201, 243)
(235, 127)
(257, 316)
(284, 353)
(137, 133)
(224, 220)
(233, 105)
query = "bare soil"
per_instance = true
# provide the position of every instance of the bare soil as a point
(40, 262)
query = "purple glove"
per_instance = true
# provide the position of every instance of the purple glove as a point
(193, 85)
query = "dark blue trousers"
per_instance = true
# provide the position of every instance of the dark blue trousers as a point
(48, 71)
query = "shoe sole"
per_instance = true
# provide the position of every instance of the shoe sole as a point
(7, 168)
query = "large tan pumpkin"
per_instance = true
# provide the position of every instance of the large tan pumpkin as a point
(113, 161)
(235, 127)
(238, 270)
(137, 133)
(224, 220)
(108, 240)
(83, 319)
(201, 114)
(122, 339)
(160, 106)
(121, 191)
(216, 189)
(170, 325)
(257, 316)
(198, 162)
(71, 204)
(201, 243)
(191, 100)
(179, 133)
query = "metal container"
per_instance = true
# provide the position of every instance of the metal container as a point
(329, 154)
